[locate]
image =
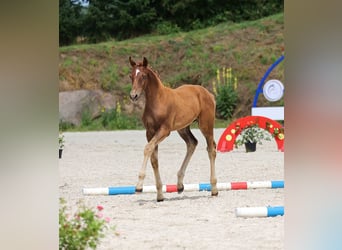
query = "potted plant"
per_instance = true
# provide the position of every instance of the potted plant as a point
(251, 136)
(61, 144)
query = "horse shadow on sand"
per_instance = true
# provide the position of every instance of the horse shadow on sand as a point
(178, 198)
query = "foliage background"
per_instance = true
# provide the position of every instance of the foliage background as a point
(100, 20)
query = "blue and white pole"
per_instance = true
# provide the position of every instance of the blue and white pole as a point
(259, 211)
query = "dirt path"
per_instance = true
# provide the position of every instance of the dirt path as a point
(191, 220)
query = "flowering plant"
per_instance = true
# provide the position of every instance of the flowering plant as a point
(83, 230)
(61, 141)
(225, 92)
(252, 134)
(278, 133)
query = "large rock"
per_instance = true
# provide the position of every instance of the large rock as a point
(72, 104)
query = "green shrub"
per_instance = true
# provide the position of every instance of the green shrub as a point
(63, 125)
(164, 28)
(81, 230)
(225, 91)
(112, 119)
(86, 118)
(115, 119)
(226, 101)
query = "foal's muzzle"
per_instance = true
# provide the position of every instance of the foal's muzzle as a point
(134, 96)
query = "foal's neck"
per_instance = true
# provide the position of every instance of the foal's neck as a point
(154, 87)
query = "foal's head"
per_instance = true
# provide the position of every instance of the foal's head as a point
(138, 77)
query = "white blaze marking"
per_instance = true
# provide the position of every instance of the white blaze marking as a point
(137, 71)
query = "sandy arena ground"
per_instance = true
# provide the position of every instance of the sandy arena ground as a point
(191, 220)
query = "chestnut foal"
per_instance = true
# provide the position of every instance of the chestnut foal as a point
(167, 110)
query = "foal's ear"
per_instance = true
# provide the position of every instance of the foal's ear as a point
(132, 62)
(145, 62)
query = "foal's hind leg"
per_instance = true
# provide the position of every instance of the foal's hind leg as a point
(207, 129)
(212, 156)
(191, 143)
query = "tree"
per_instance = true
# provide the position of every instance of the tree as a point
(69, 21)
(101, 20)
(118, 19)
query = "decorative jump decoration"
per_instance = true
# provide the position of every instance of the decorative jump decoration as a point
(265, 117)
(273, 90)
(227, 139)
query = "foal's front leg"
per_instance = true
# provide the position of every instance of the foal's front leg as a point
(149, 148)
(152, 148)
(159, 184)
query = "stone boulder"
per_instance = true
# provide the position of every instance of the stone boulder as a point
(72, 104)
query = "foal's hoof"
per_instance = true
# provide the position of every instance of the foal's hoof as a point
(138, 190)
(214, 194)
(180, 190)
(160, 200)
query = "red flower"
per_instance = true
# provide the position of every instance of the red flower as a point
(99, 207)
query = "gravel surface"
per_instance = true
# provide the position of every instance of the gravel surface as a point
(191, 220)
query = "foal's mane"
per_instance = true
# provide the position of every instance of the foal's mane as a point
(140, 64)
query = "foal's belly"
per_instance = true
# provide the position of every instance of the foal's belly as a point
(184, 119)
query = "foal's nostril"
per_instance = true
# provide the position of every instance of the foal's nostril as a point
(134, 97)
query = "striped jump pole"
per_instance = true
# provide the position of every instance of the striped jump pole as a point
(259, 211)
(187, 187)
